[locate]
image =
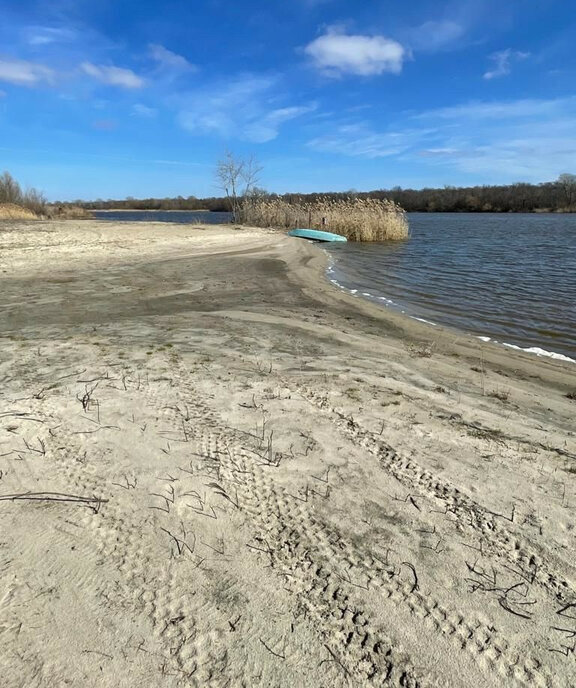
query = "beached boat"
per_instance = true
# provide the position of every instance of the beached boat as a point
(316, 235)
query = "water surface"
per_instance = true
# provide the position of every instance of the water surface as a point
(510, 277)
(182, 216)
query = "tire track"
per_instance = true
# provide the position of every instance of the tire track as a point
(321, 570)
(496, 538)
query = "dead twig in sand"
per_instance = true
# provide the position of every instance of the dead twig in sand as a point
(320, 478)
(566, 608)
(503, 602)
(96, 652)
(42, 449)
(86, 398)
(22, 415)
(222, 493)
(437, 549)
(347, 579)
(219, 549)
(508, 518)
(253, 405)
(128, 485)
(334, 659)
(406, 499)
(181, 544)
(64, 377)
(271, 651)
(411, 567)
(234, 623)
(91, 432)
(93, 502)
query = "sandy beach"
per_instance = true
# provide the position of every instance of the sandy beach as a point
(218, 469)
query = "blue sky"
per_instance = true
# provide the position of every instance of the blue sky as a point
(109, 98)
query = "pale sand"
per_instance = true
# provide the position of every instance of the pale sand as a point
(294, 493)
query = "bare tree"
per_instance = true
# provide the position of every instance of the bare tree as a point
(568, 185)
(237, 177)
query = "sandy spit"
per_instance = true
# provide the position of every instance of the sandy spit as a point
(216, 469)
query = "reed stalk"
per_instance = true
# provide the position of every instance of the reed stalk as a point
(357, 219)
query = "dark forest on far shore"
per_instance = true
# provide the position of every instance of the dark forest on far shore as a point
(556, 196)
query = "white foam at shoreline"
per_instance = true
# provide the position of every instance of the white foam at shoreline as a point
(537, 351)
(532, 350)
(541, 352)
(429, 322)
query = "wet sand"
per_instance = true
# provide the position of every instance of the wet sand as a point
(247, 477)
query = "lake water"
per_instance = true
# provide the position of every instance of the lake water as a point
(185, 216)
(507, 277)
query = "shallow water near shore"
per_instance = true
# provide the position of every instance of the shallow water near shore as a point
(510, 278)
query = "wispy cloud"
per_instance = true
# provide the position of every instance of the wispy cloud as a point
(170, 61)
(45, 35)
(504, 143)
(500, 110)
(503, 60)
(336, 53)
(24, 73)
(244, 108)
(114, 76)
(144, 111)
(434, 36)
(360, 140)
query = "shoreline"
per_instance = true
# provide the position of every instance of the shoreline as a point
(231, 416)
(399, 308)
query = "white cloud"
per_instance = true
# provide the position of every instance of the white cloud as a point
(144, 111)
(433, 36)
(243, 108)
(169, 60)
(336, 53)
(503, 62)
(23, 73)
(115, 76)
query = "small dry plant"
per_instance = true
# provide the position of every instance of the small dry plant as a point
(357, 219)
(420, 349)
(500, 394)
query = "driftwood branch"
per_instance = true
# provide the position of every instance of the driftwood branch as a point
(93, 502)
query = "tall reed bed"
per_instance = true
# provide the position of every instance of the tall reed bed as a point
(357, 219)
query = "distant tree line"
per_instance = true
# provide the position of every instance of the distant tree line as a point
(556, 196)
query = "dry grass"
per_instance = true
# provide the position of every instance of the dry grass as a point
(500, 394)
(68, 212)
(356, 219)
(11, 211)
(12, 194)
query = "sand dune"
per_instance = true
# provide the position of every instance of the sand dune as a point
(245, 477)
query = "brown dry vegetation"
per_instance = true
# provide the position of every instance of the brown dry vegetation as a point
(11, 211)
(12, 194)
(68, 212)
(366, 219)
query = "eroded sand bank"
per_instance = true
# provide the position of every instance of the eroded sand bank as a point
(282, 485)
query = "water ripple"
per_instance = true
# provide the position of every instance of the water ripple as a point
(510, 277)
